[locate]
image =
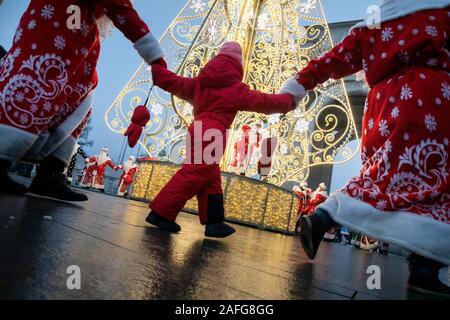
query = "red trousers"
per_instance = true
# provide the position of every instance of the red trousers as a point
(191, 180)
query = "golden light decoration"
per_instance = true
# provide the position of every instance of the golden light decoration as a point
(247, 201)
(278, 37)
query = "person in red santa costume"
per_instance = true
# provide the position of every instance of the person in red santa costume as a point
(241, 149)
(217, 95)
(102, 161)
(402, 194)
(254, 148)
(268, 147)
(126, 179)
(47, 80)
(317, 197)
(304, 195)
(88, 172)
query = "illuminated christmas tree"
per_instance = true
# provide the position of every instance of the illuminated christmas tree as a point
(278, 38)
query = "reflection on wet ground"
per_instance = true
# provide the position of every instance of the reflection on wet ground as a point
(121, 257)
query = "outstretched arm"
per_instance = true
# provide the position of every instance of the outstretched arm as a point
(90, 160)
(341, 61)
(169, 81)
(255, 101)
(127, 20)
(113, 166)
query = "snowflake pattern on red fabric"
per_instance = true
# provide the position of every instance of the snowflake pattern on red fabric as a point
(406, 123)
(50, 68)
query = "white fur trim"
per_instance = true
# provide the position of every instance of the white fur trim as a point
(105, 27)
(69, 125)
(98, 186)
(119, 193)
(394, 9)
(32, 154)
(149, 48)
(66, 150)
(419, 234)
(295, 89)
(322, 193)
(15, 142)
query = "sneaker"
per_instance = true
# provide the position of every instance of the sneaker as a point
(219, 230)
(163, 223)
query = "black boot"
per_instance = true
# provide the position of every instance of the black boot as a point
(51, 182)
(215, 225)
(162, 223)
(312, 230)
(424, 277)
(7, 184)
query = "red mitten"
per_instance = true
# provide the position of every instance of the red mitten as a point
(140, 118)
(160, 62)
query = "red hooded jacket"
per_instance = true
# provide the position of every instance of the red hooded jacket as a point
(218, 93)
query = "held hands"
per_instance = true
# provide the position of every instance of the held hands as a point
(141, 115)
(295, 89)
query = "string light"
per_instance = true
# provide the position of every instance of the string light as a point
(278, 38)
(246, 200)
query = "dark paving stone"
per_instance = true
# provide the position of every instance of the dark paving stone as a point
(121, 257)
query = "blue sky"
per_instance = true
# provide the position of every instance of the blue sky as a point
(119, 61)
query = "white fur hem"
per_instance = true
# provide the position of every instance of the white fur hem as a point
(149, 48)
(15, 142)
(419, 234)
(295, 89)
(394, 9)
(98, 186)
(66, 150)
(64, 131)
(84, 185)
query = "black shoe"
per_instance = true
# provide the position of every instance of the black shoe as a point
(430, 286)
(51, 182)
(311, 234)
(7, 184)
(163, 223)
(424, 277)
(219, 230)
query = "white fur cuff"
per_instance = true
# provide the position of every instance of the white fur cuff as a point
(295, 89)
(149, 48)
(419, 234)
(15, 142)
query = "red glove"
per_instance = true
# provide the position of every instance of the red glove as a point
(140, 118)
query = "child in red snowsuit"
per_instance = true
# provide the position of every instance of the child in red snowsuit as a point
(217, 94)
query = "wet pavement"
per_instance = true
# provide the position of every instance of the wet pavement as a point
(121, 257)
